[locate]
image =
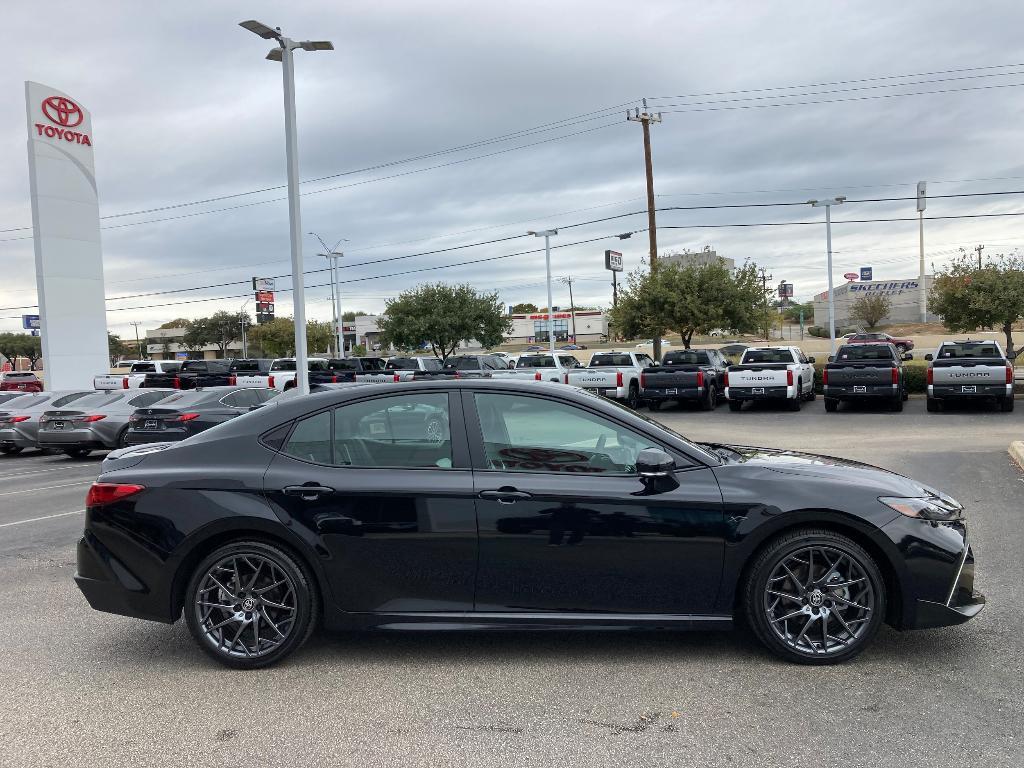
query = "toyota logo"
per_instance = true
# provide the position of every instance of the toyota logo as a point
(62, 111)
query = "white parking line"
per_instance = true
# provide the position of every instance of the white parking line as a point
(41, 471)
(46, 488)
(45, 517)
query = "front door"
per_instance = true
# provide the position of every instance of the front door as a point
(385, 494)
(567, 525)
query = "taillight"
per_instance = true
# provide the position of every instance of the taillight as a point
(824, 375)
(536, 376)
(643, 379)
(232, 381)
(19, 419)
(789, 378)
(94, 417)
(895, 376)
(725, 382)
(1009, 374)
(124, 383)
(618, 378)
(187, 417)
(458, 375)
(334, 379)
(700, 379)
(177, 383)
(397, 377)
(270, 381)
(565, 378)
(931, 375)
(107, 493)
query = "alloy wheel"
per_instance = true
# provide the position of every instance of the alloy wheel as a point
(246, 606)
(819, 600)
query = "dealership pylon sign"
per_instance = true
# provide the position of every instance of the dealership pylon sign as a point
(66, 229)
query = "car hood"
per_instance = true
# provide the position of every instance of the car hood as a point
(854, 473)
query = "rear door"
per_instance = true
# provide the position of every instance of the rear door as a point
(384, 488)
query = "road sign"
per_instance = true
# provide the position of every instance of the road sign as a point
(785, 290)
(263, 284)
(265, 297)
(30, 322)
(865, 273)
(851, 275)
(613, 261)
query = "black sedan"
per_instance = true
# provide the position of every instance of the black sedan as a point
(190, 412)
(466, 504)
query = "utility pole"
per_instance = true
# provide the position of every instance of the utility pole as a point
(645, 119)
(765, 277)
(922, 294)
(827, 205)
(332, 255)
(572, 306)
(242, 317)
(546, 234)
(979, 249)
(138, 343)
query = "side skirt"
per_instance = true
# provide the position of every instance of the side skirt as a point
(514, 620)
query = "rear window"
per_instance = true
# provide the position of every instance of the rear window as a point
(959, 349)
(144, 368)
(98, 400)
(402, 364)
(610, 359)
(767, 356)
(147, 399)
(194, 365)
(462, 364)
(687, 357)
(373, 363)
(19, 375)
(28, 402)
(536, 361)
(245, 366)
(864, 352)
(343, 365)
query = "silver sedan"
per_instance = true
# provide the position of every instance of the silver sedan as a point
(96, 421)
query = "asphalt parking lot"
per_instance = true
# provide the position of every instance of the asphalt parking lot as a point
(84, 688)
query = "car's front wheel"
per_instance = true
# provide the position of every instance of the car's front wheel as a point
(814, 596)
(250, 604)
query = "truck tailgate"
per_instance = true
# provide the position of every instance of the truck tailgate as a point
(592, 378)
(859, 374)
(668, 378)
(967, 371)
(758, 375)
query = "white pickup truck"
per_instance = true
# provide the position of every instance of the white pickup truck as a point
(770, 373)
(548, 367)
(612, 374)
(136, 374)
(404, 368)
(281, 373)
(969, 370)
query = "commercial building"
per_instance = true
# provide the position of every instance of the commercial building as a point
(697, 258)
(590, 325)
(903, 295)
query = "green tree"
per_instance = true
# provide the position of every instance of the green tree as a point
(968, 298)
(689, 299)
(115, 347)
(525, 308)
(444, 316)
(15, 345)
(870, 309)
(319, 336)
(225, 328)
(179, 322)
(276, 338)
(198, 333)
(792, 312)
(348, 317)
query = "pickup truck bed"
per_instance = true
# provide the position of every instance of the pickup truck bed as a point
(678, 382)
(970, 379)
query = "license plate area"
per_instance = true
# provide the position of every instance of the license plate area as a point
(671, 391)
(58, 425)
(150, 424)
(859, 390)
(969, 390)
(757, 390)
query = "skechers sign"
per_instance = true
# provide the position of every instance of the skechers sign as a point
(894, 288)
(65, 116)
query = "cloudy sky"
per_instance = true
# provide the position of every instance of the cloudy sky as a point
(444, 124)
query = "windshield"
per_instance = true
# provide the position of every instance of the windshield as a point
(536, 361)
(864, 352)
(687, 357)
(957, 349)
(767, 356)
(612, 359)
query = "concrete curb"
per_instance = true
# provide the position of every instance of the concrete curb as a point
(1017, 452)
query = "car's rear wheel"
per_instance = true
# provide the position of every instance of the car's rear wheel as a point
(122, 439)
(1006, 405)
(250, 604)
(897, 403)
(933, 405)
(735, 405)
(814, 596)
(10, 450)
(831, 404)
(796, 402)
(77, 453)
(707, 403)
(653, 405)
(633, 396)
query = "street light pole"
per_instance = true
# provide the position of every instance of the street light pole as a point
(332, 255)
(546, 234)
(827, 205)
(285, 54)
(242, 317)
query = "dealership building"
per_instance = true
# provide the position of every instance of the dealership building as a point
(904, 296)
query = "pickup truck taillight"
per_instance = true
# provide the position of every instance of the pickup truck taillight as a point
(565, 378)
(618, 378)
(895, 376)
(643, 379)
(537, 376)
(270, 381)
(824, 375)
(1009, 374)
(931, 376)
(725, 382)
(398, 377)
(124, 383)
(177, 383)
(232, 381)
(700, 379)
(789, 378)
(334, 379)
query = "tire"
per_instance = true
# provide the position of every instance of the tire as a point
(1006, 404)
(707, 402)
(812, 395)
(860, 604)
(831, 404)
(906, 395)
(933, 405)
(901, 348)
(122, 439)
(10, 450)
(77, 453)
(633, 396)
(896, 404)
(653, 405)
(796, 402)
(256, 563)
(735, 406)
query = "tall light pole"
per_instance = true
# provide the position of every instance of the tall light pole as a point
(546, 234)
(827, 205)
(922, 294)
(285, 54)
(332, 255)
(242, 317)
(138, 343)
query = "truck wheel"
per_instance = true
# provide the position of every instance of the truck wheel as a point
(897, 404)
(933, 405)
(1006, 405)
(831, 404)
(653, 405)
(708, 401)
(906, 395)
(633, 396)
(812, 395)
(794, 404)
(735, 405)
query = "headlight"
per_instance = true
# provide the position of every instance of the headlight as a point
(937, 508)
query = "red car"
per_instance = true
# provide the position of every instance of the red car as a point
(20, 381)
(903, 345)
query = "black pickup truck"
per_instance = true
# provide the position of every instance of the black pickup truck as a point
(864, 372)
(697, 375)
(192, 374)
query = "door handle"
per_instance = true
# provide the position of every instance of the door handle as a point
(505, 496)
(308, 492)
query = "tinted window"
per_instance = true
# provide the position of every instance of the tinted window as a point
(402, 364)
(194, 366)
(263, 395)
(243, 398)
(13, 375)
(969, 349)
(144, 368)
(311, 439)
(617, 360)
(767, 356)
(64, 400)
(462, 364)
(529, 434)
(864, 352)
(283, 365)
(343, 365)
(688, 357)
(432, 364)
(536, 361)
(568, 361)
(397, 431)
(28, 402)
(147, 399)
(373, 363)
(245, 366)
(98, 400)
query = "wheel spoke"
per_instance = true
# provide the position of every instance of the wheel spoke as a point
(255, 575)
(261, 590)
(810, 568)
(851, 604)
(810, 620)
(273, 626)
(794, 598)
(787, 616)
(841, 620)
(213, 578)
(279, 606)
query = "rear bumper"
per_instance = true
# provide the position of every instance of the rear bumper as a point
(134, 437)
(110, 585)
(955, 391)
(767, 393)
(72, 438)
(846, 392)
(683, 393)
(15, 439)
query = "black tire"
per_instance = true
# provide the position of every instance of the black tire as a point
(633, 396)
(906, 395)
(831, 404)
(707, 402)
(122, 439)
(735, 405)
(300, 582)
(896, 404)
(653, 405)
(868, 595)
(933, 405)
(77, 453)
(1006, 404)
(10, 450)
(796, 402)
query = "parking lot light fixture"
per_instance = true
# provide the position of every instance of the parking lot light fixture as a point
(827, 205)
(284, 53)
(546, 234)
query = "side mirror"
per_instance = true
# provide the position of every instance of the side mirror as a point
(831, 358)
(928, 357)
(654, 462)
(811, 360)
(908, 356)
